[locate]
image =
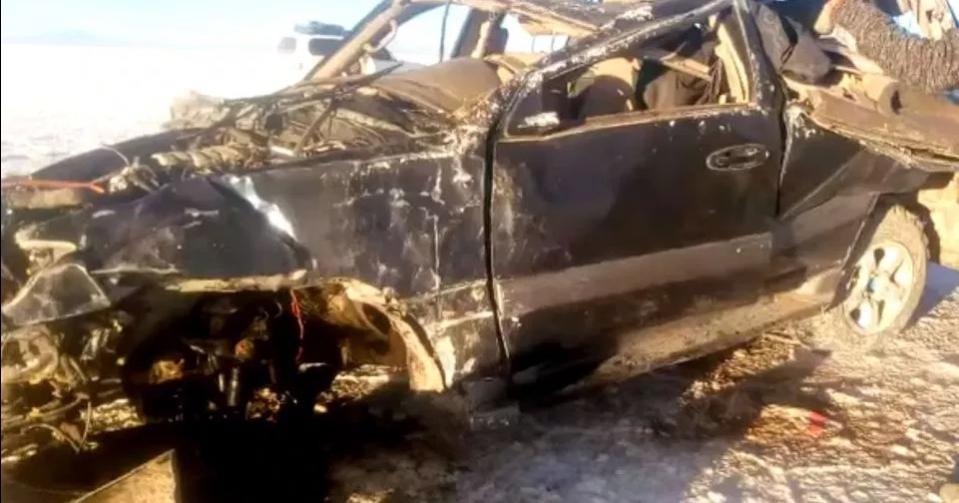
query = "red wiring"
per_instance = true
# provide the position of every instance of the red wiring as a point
(297, 312)
(50, 184)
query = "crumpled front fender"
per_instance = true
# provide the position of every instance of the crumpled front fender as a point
(196, 228)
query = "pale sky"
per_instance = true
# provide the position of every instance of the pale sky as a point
(174, 22)
(178, 22)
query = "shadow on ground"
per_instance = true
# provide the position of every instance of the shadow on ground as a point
(224, 461)
(648, 438)
(940, 284)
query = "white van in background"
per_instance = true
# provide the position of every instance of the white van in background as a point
(311, 42)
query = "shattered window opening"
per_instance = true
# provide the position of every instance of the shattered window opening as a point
(700, 67)
(401, 103)
(479, 36)
(413, 50)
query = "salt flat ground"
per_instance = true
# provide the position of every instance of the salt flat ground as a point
(62, 100)
(732, 427)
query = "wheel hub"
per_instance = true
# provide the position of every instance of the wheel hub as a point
(880, 286)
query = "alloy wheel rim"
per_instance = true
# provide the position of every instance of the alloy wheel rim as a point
(880, 285)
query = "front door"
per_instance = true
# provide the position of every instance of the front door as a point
(614, 207)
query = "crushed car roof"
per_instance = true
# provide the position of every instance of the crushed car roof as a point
(588, 15)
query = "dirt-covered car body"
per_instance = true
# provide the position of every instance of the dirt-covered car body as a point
(465, 221)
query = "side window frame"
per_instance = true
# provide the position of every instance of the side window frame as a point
(740, 43)
(431, 13)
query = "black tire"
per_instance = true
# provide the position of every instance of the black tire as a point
(888, 298)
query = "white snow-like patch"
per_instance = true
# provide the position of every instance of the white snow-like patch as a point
(61, 100)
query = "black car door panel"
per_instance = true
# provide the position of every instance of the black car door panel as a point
(632, 219)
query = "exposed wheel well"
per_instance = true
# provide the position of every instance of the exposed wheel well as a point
(373, 326)
(937, 202)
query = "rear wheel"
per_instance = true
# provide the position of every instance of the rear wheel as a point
(885, 283)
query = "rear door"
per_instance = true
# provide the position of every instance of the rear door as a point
(611, 221)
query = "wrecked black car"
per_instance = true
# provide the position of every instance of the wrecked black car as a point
(653, 185)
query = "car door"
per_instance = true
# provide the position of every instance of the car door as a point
(605, 223)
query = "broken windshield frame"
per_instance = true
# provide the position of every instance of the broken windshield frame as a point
(390, 15)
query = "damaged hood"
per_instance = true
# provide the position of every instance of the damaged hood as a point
(348, 180)
(378, 219)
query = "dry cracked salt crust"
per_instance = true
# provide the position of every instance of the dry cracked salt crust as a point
(770, 421)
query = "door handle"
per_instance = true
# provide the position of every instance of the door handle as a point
(738, 157)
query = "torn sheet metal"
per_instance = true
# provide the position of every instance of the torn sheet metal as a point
(56, 293)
